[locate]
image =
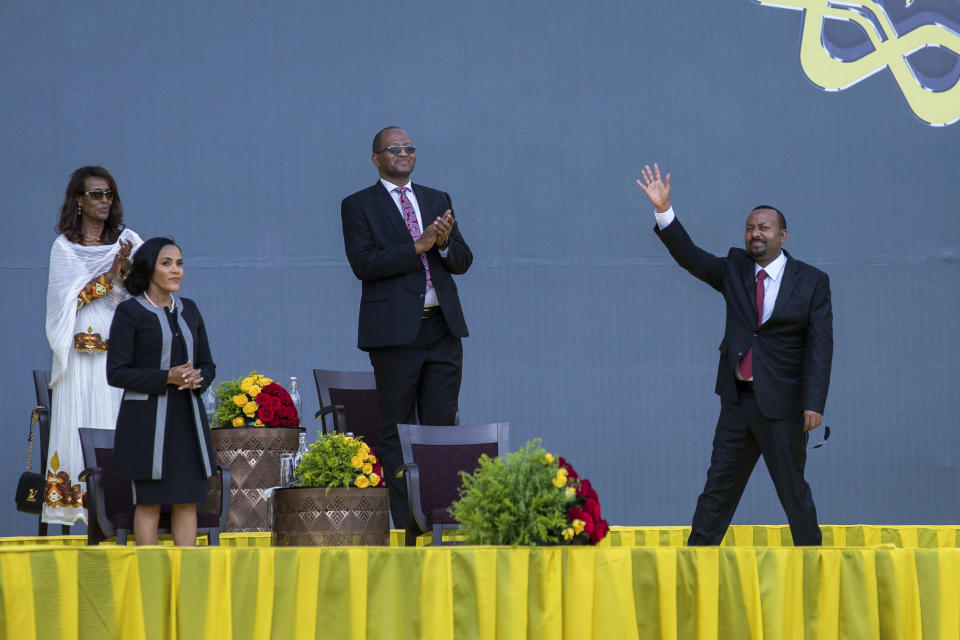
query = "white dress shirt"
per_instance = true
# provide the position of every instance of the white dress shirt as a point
(430, 299)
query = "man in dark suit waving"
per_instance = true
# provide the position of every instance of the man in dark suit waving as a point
(774, 364)
(403, 242)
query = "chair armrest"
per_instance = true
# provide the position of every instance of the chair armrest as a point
(338, 417)
(416, 519)
(322, 412)
(225, 484)
(99, 526)
(89, 471)
(410, 466)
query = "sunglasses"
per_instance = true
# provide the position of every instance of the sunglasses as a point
(99, 195)
(826, 436)
(396, 149)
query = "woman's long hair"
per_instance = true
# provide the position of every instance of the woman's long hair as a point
(69, 222)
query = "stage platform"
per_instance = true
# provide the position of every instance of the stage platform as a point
(867, 582)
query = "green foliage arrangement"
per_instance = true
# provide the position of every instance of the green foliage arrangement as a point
(338, 460)
(520, 500)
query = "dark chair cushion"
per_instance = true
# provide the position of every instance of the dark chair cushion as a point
(117, 492)
(362, 413)
(440, 468)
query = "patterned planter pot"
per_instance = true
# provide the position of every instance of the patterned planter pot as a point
(253, 455)
(311, 517)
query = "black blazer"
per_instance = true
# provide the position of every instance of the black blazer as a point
(792, 350)
(381, 254)
(138, 360)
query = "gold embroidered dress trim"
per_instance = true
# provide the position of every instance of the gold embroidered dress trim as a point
(89, 342)
(96, 288)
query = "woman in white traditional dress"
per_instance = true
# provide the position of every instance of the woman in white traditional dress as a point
(88, 261)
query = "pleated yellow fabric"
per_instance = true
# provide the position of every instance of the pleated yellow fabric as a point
(631, 587)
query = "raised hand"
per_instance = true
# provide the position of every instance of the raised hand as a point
(656, 189)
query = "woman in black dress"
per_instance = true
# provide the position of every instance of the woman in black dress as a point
(159, 355)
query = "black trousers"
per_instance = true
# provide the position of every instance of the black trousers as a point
(418, 380)
(744, 434)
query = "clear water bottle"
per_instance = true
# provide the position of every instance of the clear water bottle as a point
(295, 395)
(301, 449)
(209, 405)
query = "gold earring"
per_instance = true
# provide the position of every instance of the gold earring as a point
(79, 210)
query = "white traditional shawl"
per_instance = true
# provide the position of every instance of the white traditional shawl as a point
(72, 266)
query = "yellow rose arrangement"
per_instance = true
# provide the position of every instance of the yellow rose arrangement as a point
(338, 460)
(237, 401)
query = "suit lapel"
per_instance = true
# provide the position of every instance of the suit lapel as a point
(388, 209)
(791, 274)
(749, 280)
(428, 213)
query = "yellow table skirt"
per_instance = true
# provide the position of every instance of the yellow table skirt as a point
(617, 590)
(478, 592)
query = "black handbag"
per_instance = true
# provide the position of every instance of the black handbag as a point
(30, 486)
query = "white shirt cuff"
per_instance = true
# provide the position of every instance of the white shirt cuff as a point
(445, 252)
(664, 218)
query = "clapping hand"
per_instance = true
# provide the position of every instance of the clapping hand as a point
(656, 189)
(444, 225)
(121, 261)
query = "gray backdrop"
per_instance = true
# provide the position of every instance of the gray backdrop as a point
(238, 127)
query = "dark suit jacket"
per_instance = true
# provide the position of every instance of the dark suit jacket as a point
(140, 339)
(381, 254)
(792, 350)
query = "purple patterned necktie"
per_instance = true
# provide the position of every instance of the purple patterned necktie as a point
(410, 217)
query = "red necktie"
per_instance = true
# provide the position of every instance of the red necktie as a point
(410, 217)
(746, 365)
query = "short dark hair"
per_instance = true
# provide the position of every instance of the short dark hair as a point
(376, 138)
(780, 217)
(69, 222)
(143, 263)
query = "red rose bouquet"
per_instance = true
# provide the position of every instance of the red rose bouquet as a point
(586, 525)
(276, 408)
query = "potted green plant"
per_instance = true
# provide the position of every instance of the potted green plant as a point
(528, 498)
(338, 500)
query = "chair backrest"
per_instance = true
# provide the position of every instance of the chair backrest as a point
(41, 385)
(356, 393)
(97, 448)
(441, 453)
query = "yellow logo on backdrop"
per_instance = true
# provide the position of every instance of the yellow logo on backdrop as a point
(937, 106)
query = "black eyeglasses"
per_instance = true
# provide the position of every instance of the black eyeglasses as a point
(99, 195)
(397, 148)
(826, 436)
